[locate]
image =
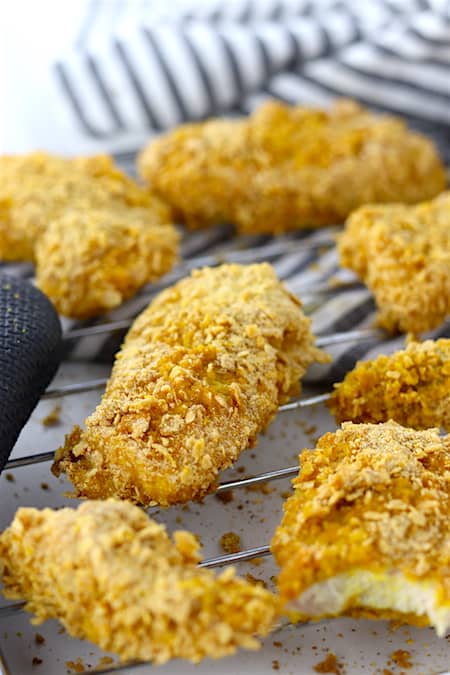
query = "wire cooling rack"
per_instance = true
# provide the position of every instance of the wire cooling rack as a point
(248, 502)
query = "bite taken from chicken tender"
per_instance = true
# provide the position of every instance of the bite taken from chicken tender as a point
(285, 168)
(402, 253)
(411, 386)
(202, 371)
(95, 235)
(112, 575)
(366, 532)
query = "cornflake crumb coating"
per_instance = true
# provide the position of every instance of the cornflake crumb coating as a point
(95, 235)
(411, 386)
(402, 253)
(112, 575)
(286, 167)
(372, 497)
(201, 372)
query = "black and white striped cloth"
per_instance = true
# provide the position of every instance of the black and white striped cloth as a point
(138, 68)
(141, 67)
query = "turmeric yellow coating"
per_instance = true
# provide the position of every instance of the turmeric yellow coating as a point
(366, 531)
(112, 575)
(402, 253)
(95, 235)
(286, 167)
(201, 373)
(90, 264)
(411, 387)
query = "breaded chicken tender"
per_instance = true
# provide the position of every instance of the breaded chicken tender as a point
(411, 387)
(201, 372)
(366, 532)
(91, 264)
(112, 575)
(402, 253)
(95, 235)
(286, 167)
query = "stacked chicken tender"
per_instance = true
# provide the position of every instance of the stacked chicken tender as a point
(204, 368)
(95, 235)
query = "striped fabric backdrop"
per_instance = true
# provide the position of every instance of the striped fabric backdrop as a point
(141, 67)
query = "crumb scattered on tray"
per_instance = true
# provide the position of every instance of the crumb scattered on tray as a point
(10, 477)
(402, 658)
(257, 561)
(328, 665)
(76, 666)
(53, 418)
(230, 542)
(275, 665)
(254, 580)
(264, 488)
(225, 497)
(36, 661)
(39, 639)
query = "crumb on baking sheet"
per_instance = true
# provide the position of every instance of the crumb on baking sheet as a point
(230, 542)
(402, 658)
(328, 665)
(53, 418)
(275, 665)
(36, 661)
(39, 639)
(10, 477)
(257, 561)
(225, 497)
(254, 580)
(76, 666)
(263, 487)
(45, 486)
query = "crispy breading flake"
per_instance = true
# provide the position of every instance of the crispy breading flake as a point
(366, 531)
(411, 386)
(95, 235)
(402, 253)
(182, 402)
(112, 575)
(285, 167)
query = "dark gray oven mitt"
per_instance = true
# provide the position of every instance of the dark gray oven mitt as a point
(30, 353)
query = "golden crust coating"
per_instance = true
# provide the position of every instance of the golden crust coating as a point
(286, 167)
(411, 387)
(402, 253)
(370, 497)
(95, 235)
(90, 263)
(112, 575)
(201, 373)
